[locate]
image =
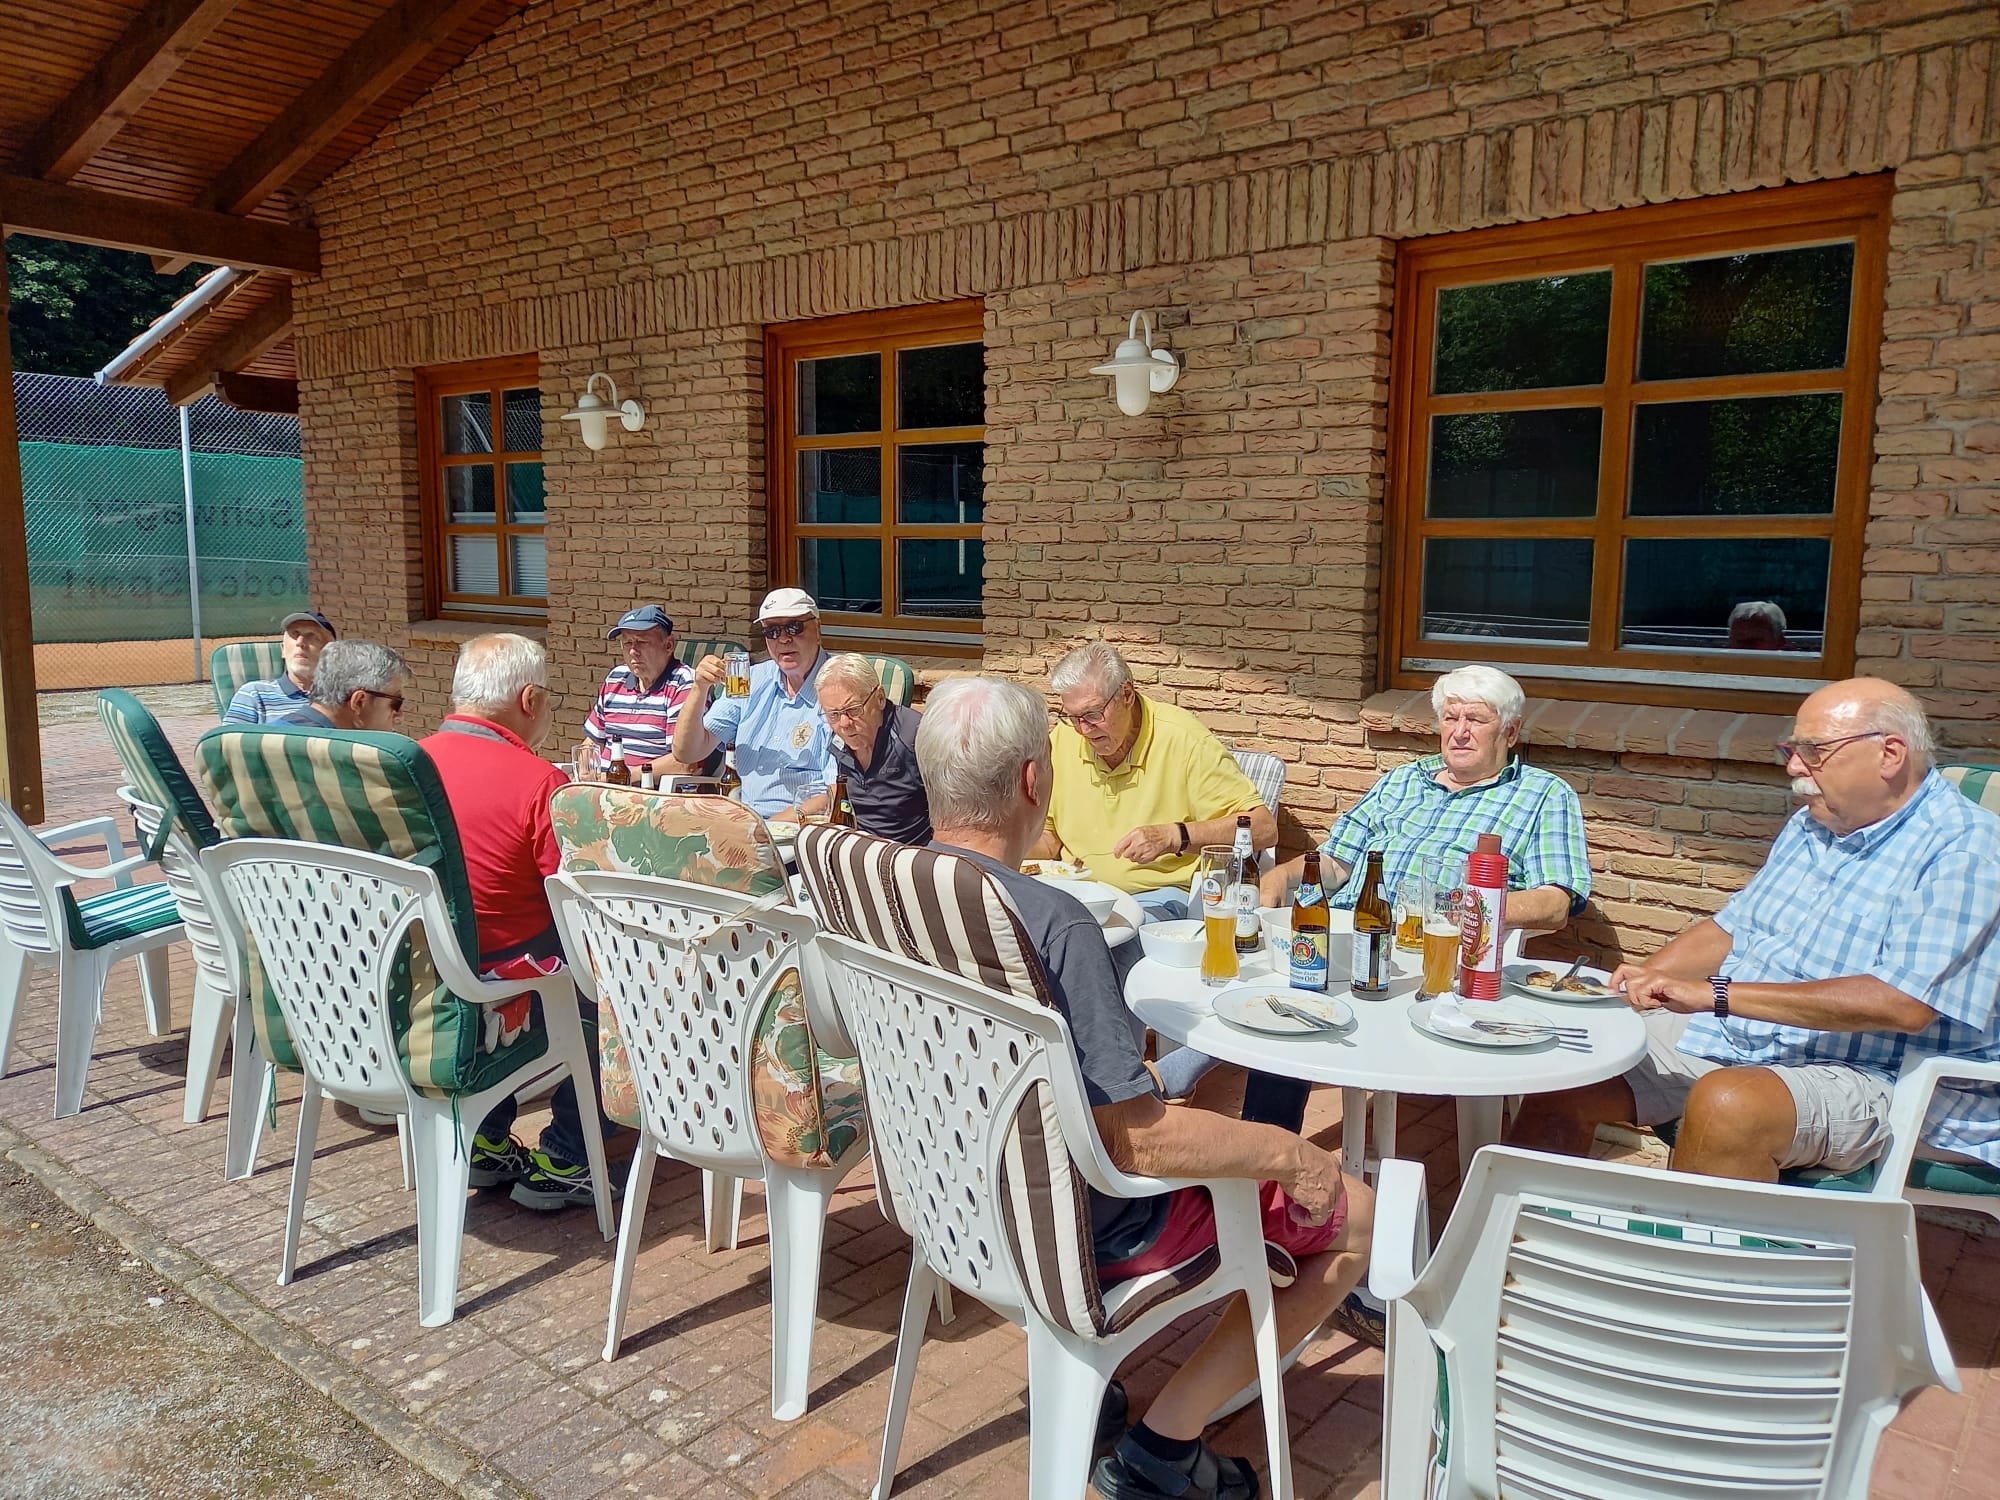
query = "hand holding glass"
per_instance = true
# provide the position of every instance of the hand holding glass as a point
(736, 674)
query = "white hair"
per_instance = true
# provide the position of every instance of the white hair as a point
(976, 734)
(1093, 664)
(358, 666)
(1900, 714)
(1480, 684)
(857, 672)
(492, 670)
(1759, 609)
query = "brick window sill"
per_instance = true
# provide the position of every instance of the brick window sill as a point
(1618, 728)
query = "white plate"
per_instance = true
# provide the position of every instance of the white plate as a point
(1123, 925)
(782, 828)
(1442, 1018)
(1517, 975)
(1249, 1006)
(1098, 898)
(1056, 869)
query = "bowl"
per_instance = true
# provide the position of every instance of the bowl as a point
(1276, 921)
(1175, 944)
(1098, 897)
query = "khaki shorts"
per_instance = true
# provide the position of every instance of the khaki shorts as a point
(1842, 1112)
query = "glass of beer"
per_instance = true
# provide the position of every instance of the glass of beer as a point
(1413, 897)
(1440, 927)
(736, 674)
(1213, 904)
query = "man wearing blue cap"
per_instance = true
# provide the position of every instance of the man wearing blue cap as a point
(266, 701)
(642, 697)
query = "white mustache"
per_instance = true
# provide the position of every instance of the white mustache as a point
(1804, 786)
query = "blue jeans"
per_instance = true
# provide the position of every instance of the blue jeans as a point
(1166, 905)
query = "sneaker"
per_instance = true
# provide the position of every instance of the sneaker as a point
(550, 1184)
(1129, 1472)
(1362, 1321)
(498, 1163)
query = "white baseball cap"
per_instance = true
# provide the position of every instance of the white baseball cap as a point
(786, 604)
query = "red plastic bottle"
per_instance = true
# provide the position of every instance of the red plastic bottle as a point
(1479, 934)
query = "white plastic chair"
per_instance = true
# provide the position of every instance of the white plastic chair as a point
(36, 911)
(978, 1114)
(1266, 772)
(1900, 1172)
(1591, 1331)
(327, 923)
(689, 971)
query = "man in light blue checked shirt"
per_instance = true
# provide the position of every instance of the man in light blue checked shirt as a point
(1870, 938)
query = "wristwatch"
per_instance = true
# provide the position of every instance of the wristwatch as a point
(1720, 987)
(1184, 838)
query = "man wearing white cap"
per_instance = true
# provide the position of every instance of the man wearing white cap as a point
(780, 738)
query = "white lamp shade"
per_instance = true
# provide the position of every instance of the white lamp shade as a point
(593, 414)
(1138, 370)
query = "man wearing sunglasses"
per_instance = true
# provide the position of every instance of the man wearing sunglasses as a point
(1870, 938)
(780, 739)
(356, 685)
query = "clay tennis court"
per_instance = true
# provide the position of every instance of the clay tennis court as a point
(67, 665)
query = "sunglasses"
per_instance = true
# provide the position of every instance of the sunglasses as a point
(791, 630)
(395, 699)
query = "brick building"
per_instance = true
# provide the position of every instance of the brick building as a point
(703, 200)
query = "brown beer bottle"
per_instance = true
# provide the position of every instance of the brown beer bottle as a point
(1374, 932)
(1243, 889)
(838, 813)
(617, 773)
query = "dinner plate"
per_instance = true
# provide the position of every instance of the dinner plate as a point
(782, 828)
(1443, 1018)
(1056, 869)
(1249, 1006)
(1517, 975)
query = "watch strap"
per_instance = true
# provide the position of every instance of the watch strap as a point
(1182, 827)
(1719, 987)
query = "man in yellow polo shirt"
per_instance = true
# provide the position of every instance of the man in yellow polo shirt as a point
(1139, 786)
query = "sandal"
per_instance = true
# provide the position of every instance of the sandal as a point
(1129, 1472)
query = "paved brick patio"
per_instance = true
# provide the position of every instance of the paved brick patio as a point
(513, 1395)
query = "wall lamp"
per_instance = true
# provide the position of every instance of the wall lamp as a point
(592, 413)
(1138, 371)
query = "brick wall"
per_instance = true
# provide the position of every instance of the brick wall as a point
(643, 188)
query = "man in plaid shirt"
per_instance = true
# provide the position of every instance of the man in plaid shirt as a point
(1870, 938)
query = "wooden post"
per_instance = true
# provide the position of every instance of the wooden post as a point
(20, 728)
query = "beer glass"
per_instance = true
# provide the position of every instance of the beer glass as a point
(1213, 902)
(810, 788)
(1413, 896)
(1440, 919)
(736, 674)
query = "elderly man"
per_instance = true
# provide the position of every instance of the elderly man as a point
(1756, 625)
(499, 789)
(266, 701)
(984, 748)
(779, 737)
(643, 696)
(874, 750)
(1139, 785)
(1870, 938)
(356, 685)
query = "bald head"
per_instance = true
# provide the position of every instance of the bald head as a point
(1859, 750)
(1862, 705)
(503, 678)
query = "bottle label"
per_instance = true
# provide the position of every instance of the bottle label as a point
(1246, 910)
(1369, 963)
(1310, 960)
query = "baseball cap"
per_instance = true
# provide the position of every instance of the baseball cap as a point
(307, 614)
(644, 617)
(786, 604)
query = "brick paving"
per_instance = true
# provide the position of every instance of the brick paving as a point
(517, 1381)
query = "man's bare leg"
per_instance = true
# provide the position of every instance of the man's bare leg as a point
(1739, 1123)
(1565, 1123)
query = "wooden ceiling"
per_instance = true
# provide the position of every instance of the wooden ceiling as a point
(195, 129)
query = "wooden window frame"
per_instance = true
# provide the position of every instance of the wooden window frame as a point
(887, 333)
(433, 384)
(1625, 241)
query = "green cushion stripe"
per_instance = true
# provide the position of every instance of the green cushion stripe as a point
(1980, 783)
(111, 916)
(152, 767)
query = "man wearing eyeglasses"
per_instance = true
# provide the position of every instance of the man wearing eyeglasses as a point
(356, 685)
(780, 739)
(875, 750)
(1870, 938)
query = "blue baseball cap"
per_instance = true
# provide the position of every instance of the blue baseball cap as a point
(307, 614)
(645, 617)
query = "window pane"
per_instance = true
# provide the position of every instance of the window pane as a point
(468, 494)
(524, 492)
(1523, 335)
(465, 423)
(840, 395)
(940, 579)
(941, 387)
(941, 483)
(1681, 592)
(1747, 314)
(842, 575)
(1773, 456)
(527, 563)
(841, 487)
(1515, 463)
(523, 415)
(1507, 589)
(475, 565)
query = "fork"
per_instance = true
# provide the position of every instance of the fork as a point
(1525, 1028)
(1304, 1017)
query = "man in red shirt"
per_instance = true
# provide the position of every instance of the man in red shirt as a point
(499, 791)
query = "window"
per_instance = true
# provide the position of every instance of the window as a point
(1629, 452)
(878, 452)
(479, 439)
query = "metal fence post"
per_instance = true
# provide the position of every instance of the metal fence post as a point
(194, 555)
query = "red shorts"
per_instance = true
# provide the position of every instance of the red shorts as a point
(1190, 1229)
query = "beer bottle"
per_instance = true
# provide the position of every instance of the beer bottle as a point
(1309, 930)
(732, 784)
(1243, 892)
(1374, 933)
(838, 813)
(646, 781)
(617, 773)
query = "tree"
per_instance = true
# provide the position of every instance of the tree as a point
(73, 307)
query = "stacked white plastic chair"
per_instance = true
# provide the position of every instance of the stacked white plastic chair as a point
(1590, 1331)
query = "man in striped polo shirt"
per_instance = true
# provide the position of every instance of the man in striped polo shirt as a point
(306, 633)
(642, 696)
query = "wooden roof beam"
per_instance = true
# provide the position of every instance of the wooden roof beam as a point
(258, 393)
(231, 350)
(403, 37)
(156, 43)
(63, 211)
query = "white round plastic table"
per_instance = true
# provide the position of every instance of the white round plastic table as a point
(1385, 1053)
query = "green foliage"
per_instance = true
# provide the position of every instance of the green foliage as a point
(73, 307)
(1523, 335)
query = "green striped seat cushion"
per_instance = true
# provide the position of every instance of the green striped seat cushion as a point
(380, 793)
(1926, 1176)
(230, 666)
(1980, 783)
(898, 678)
(152, 769)
(112, 916)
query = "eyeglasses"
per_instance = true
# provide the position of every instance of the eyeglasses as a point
(1816, 753)
(395, 699)
(554, 698)
(791, 630)
(1092, 718)
(853, 711)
